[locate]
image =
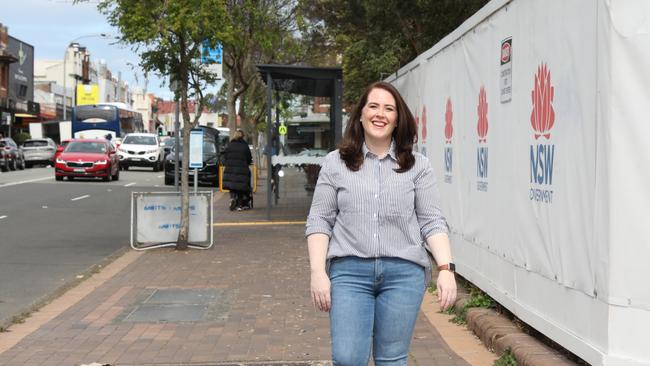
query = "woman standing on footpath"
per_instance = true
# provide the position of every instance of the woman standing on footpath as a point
(375, 203)
(237, 175)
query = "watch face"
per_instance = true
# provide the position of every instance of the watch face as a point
(452, 267)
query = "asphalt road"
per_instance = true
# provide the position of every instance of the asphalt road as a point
(51, 232)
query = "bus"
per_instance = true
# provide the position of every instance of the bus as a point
(101, 120)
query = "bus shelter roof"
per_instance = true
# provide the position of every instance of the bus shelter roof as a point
(304, 80)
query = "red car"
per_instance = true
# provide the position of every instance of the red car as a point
(88, 158)
(60, 148)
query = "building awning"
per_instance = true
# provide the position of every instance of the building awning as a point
(25, 115)
(7, 58)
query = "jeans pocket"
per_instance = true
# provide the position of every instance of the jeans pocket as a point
(328, 265)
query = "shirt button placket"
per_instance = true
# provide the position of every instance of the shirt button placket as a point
(377, 204)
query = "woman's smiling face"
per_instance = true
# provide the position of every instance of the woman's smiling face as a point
(379, 115)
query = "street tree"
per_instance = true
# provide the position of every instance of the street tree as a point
(216, 102)
(377, 37)
(266, 33)
(168, 36)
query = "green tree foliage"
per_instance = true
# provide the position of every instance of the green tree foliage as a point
(216, 103)
(168, 36)
(377, 37)
(264, 32)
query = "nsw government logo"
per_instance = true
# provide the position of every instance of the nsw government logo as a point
(482, 149)
(449, 132)
(542, 153)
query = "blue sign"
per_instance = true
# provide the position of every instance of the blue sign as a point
(211, 55)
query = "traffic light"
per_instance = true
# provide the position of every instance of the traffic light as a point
(160, 131)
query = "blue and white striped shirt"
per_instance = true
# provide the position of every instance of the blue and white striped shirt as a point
(375, 211)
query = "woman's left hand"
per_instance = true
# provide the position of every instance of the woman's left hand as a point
(446, 289)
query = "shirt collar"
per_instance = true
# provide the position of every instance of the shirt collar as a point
(391, 150)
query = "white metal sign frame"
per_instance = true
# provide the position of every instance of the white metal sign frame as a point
(155, 220)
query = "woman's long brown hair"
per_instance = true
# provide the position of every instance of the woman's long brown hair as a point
(404, 134)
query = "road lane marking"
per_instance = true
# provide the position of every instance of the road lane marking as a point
(130, 184)
(160, 176)
(80, 197)
(2, 185)
(3, 217)
(259, 223)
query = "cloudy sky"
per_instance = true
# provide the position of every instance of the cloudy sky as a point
(50, 25)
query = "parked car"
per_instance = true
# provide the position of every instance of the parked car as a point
(224, 138)
(168, 144)
(60, 148)
(209, 172)
(11, 156)
(141, 149)
(84, 158)
(39, 151)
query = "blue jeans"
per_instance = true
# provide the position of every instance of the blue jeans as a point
(375, 303)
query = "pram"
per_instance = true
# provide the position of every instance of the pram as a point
(246, 200)
(240, 200)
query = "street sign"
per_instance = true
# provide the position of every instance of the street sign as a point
(212, 59)
(196, 149)
(282, 130)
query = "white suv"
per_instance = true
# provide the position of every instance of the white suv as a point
(141, 149)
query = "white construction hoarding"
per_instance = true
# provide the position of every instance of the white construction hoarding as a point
(533, 115)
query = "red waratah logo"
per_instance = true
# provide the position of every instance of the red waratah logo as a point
(482, 126)
(449, 129)
(505, 52)
(543, 115)
(424, 123)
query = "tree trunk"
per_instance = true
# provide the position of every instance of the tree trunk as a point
(183, 234)
(231, 100)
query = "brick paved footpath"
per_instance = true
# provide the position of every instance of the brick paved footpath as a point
(263, 311)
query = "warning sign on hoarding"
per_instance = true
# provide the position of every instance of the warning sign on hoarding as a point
(506, 70)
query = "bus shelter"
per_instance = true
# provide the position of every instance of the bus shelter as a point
(303, 80)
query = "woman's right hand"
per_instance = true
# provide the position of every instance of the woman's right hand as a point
(320, 291)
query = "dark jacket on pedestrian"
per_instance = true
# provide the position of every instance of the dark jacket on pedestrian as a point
(237, 175)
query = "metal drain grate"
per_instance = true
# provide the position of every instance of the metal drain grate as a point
(180, 305)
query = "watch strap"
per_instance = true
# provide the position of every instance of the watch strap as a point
(447, 267)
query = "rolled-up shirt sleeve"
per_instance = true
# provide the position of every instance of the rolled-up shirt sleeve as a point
(324, 207)
(427, 200)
